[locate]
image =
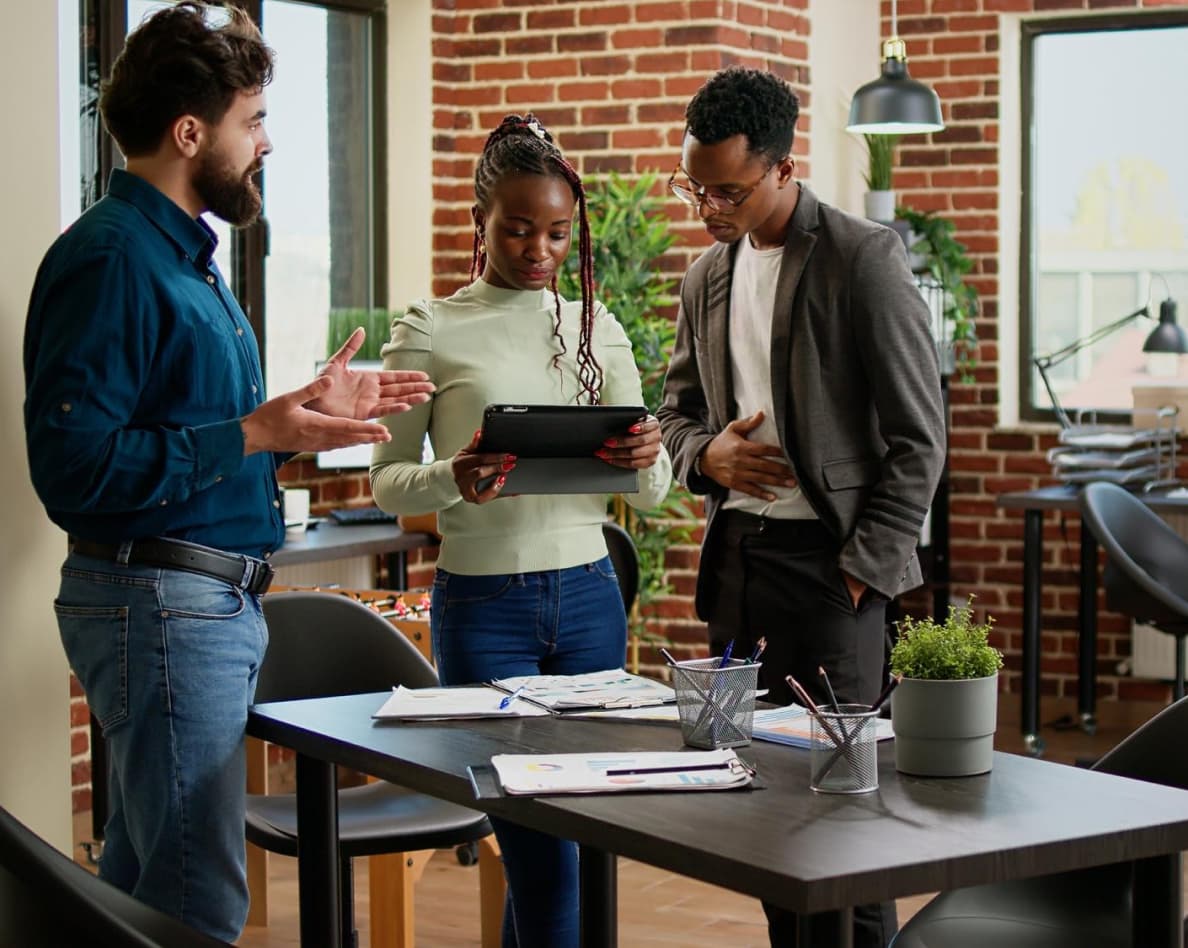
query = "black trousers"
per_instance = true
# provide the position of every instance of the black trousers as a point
(780, 579)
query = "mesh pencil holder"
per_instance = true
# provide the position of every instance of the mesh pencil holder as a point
(717, 705)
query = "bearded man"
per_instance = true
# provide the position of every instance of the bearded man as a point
(151, 444)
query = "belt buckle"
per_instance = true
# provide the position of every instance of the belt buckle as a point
(262, 576)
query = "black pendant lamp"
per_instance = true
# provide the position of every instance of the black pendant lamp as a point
(895, 103)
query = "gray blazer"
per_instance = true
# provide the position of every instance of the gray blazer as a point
(855, 386)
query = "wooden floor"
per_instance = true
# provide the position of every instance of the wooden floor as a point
(657, 909)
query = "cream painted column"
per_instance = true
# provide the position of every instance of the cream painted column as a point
(34, 682)
(843, 55)
(410, 151)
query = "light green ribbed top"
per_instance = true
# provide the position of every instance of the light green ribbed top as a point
(486, 345)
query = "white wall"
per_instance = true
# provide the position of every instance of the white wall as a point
(34, 683)
(410, 151)
(843, 55)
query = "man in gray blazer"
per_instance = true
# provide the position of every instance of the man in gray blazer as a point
(803, 399)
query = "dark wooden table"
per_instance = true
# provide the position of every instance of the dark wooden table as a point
(1034, 503)
(782, 843)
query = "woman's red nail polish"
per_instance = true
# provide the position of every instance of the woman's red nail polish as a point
(500, 481)
(506, 466)
(635, 429)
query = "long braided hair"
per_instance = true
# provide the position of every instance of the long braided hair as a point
(521, 145)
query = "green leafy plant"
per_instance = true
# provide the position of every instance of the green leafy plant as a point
(881, 151)
(378, 323)
(948, 262)
(957, 648)
(629, 232)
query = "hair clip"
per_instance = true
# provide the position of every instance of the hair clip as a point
(535, 128)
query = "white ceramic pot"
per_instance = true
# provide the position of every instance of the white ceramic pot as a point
(880, 206)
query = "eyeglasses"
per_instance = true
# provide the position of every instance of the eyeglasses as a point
(718, 201)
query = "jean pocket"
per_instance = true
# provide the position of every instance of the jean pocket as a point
(192, 596)
(460, 589)
(96, 642)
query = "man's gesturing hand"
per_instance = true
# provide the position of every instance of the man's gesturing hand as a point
(747, 466)
(286, 423)
(363, 394)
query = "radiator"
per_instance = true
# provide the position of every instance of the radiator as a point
(352, 572)
(1153, 654)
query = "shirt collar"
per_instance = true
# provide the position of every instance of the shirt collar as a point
(481, 290)
(192, 236)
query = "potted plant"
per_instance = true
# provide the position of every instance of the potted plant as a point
(945, 710)
(946, 261)
(879, 199)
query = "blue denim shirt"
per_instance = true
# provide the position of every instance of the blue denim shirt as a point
(139, 364)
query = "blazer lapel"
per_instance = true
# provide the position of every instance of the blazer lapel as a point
(717, 334)
(797, 247)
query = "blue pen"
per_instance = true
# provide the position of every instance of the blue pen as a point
(508, 699)
(726, 654)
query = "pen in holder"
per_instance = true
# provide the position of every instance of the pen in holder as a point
(716, 701)
(843, 757)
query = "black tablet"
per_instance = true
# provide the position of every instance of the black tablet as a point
(555, 444)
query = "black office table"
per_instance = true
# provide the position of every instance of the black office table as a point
(782, 843)
(1034, 503)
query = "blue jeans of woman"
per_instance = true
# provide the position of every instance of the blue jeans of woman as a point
(168, 662)
(556, 622)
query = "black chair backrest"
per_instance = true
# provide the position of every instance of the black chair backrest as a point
(323, 644)
(625, 559)
(46, 901)
(1155, 751)
(1146, 572)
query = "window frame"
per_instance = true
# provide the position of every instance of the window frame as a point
(1030, 32)
(250, 245)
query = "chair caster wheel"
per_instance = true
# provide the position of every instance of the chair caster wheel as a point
(467, 854)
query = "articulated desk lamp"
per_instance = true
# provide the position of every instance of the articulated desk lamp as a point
(1166, 337)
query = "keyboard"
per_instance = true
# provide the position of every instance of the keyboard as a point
(350, 516)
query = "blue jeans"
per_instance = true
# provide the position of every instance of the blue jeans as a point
(557, 622)
(168, 662)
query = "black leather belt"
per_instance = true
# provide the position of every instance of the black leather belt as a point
(246, 572)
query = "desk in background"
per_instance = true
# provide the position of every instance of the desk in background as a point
(1034, 503)
(785, 844)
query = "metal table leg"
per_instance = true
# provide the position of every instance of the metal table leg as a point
(1033, 524)
(1157, 913)
(1087, 639)
(598, 881)
(317, 853)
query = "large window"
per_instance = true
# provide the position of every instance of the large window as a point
(1105, 208)
(319, 245)
(1105, 204)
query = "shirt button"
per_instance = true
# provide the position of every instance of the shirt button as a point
(164, 502)
(210, 279)
(218, 478)
(267, 555)
(254, 390)
(67, 407)
(239, 331)
(276, 504)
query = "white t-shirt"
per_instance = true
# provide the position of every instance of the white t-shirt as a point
(752, 307)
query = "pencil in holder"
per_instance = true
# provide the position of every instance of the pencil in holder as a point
(716, 702)
(843, 757)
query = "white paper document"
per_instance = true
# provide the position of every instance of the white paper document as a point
(614, 688)
(444, 704)
(793, 725)
(630, 770)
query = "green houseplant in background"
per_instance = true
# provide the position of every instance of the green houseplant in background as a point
(947, 261)
(879, 199)
(945, 710)
(378, 323)
(629, 233)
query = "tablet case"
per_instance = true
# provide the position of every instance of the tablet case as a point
(554, 447)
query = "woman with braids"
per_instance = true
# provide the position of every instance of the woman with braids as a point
(524, 585)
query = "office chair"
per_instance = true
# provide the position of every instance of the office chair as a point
(323, 644)
(625, 560)
(47, 901)
(1146, 570)
(1088, 908)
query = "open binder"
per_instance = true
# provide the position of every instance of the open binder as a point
(610, 690)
